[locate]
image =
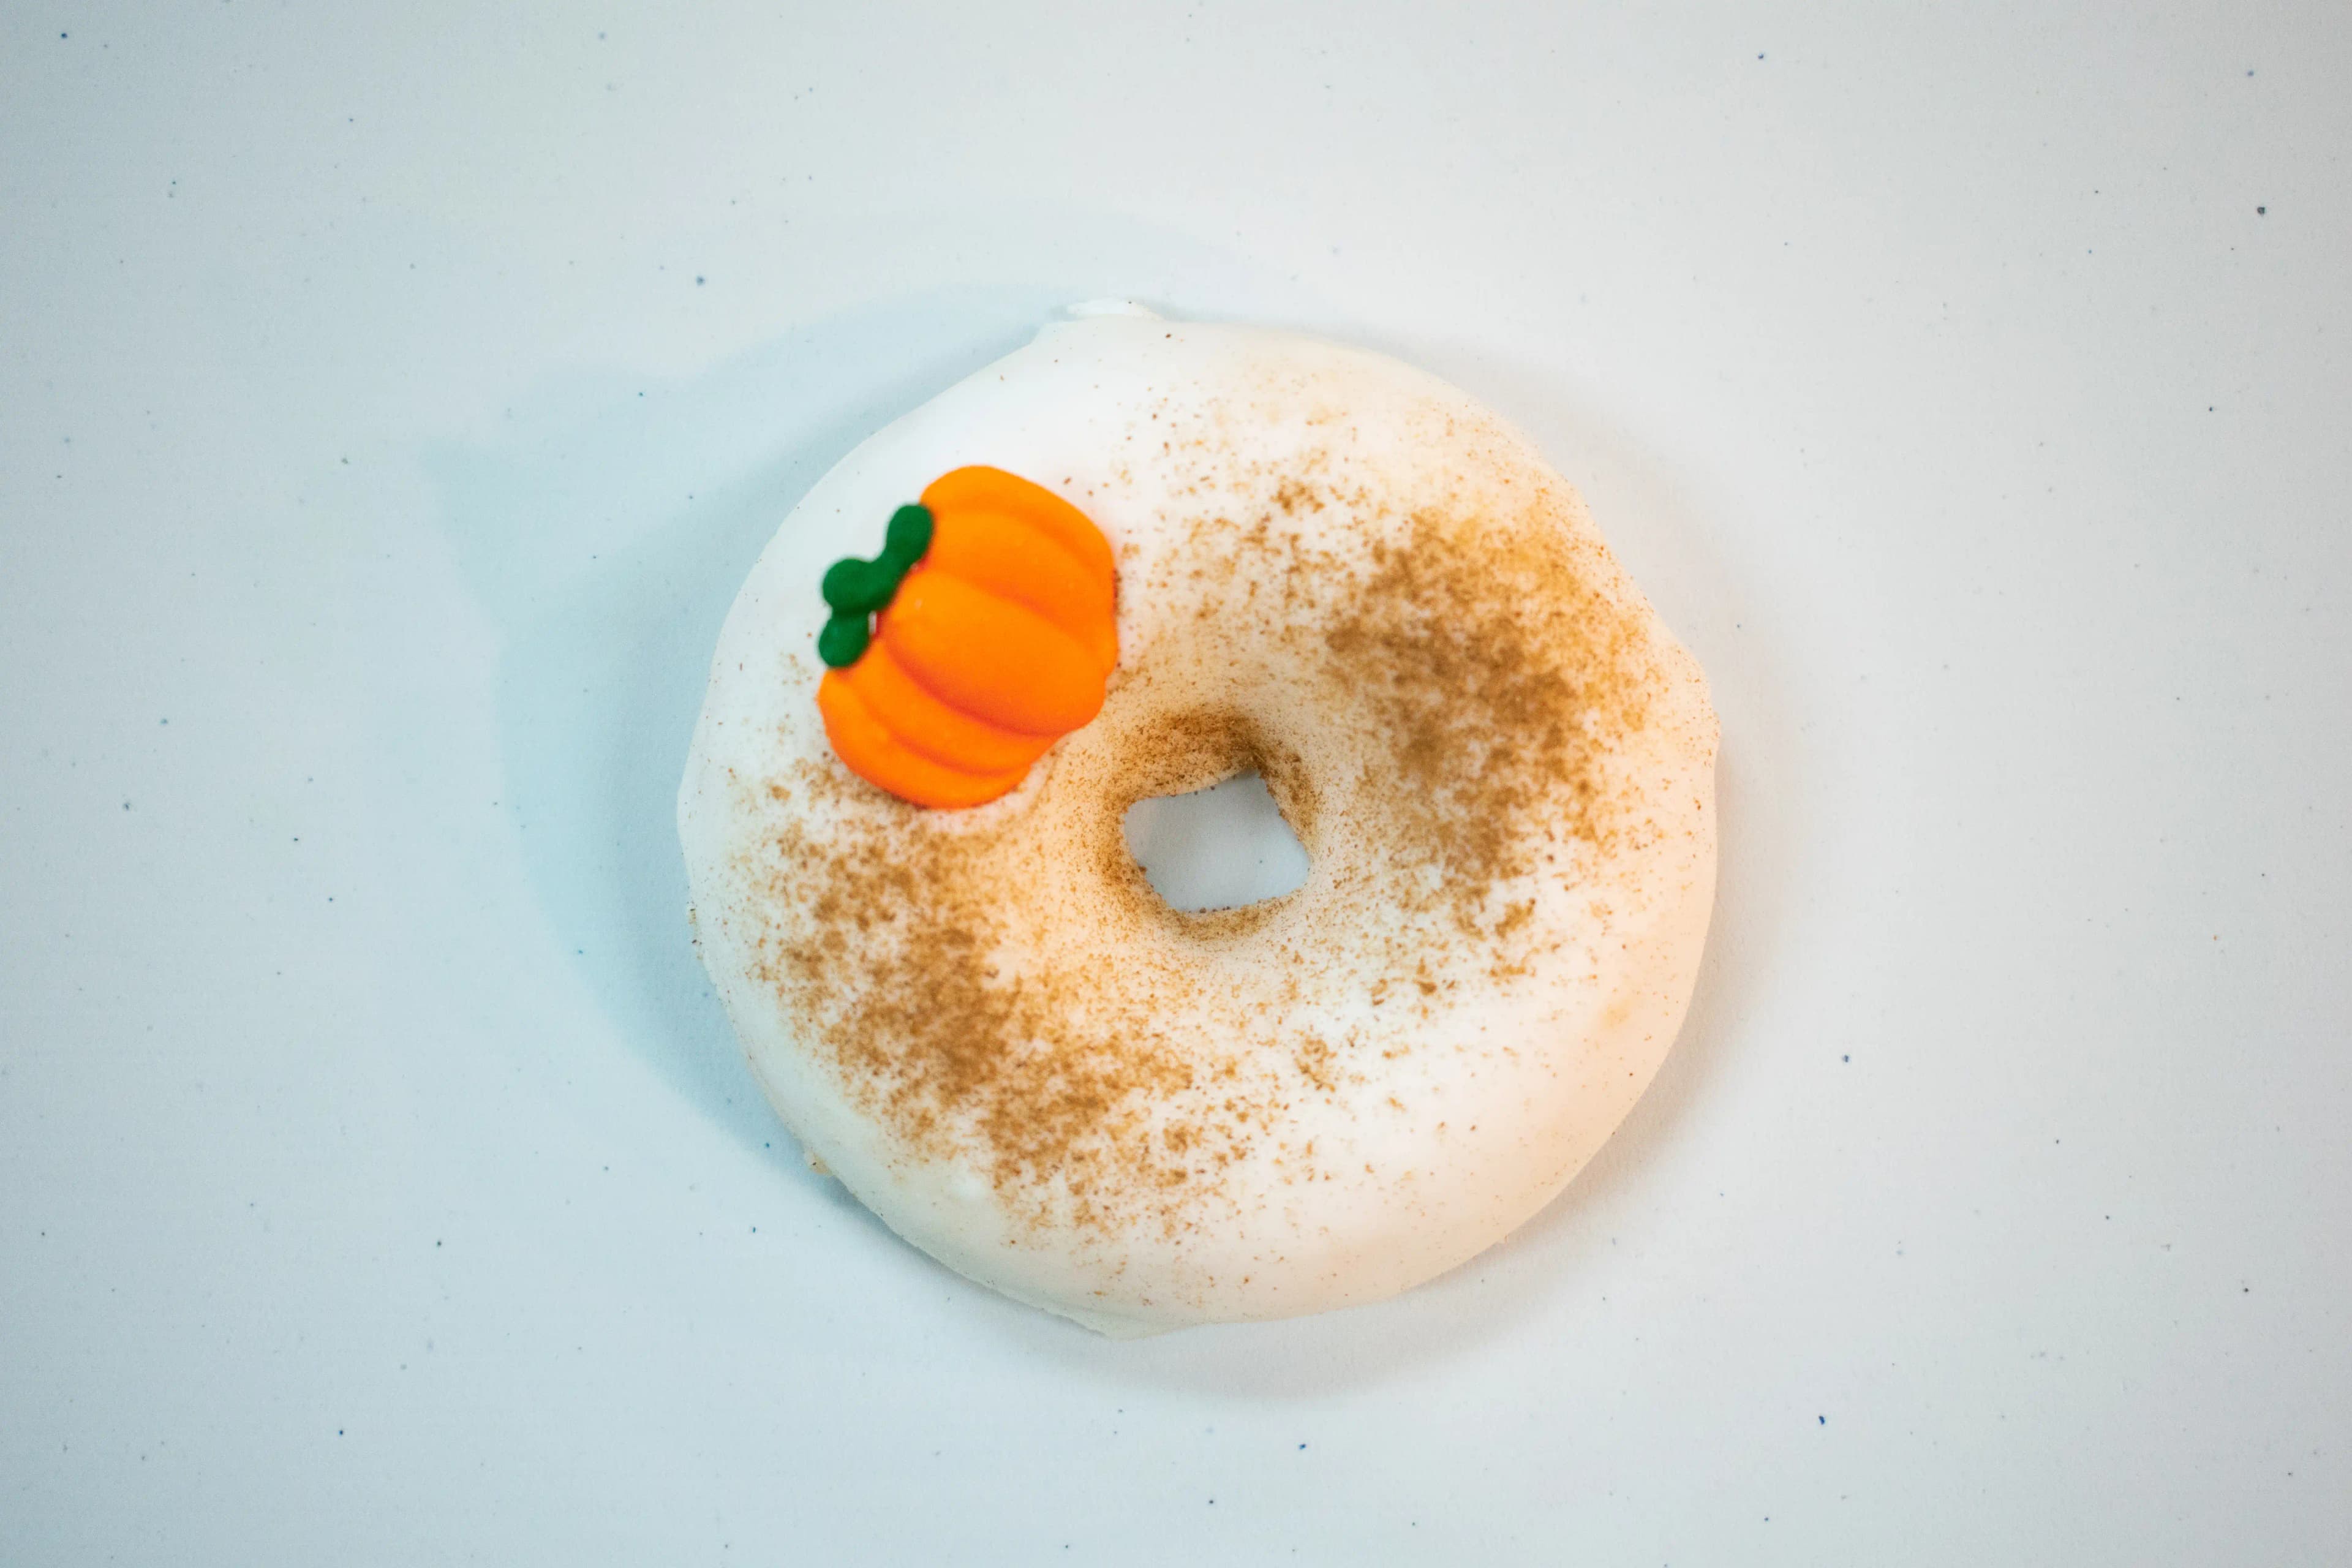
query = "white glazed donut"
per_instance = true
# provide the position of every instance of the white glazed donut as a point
(1344, 574)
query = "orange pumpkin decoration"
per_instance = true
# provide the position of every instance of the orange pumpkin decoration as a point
(994, 638)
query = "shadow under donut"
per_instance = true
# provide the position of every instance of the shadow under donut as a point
(608, 544)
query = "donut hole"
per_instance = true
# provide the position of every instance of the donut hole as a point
(1226, 847)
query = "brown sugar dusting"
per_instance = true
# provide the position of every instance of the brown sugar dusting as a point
(1505, 677)
(899, 964)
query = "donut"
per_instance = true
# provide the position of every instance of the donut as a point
(1155, 555)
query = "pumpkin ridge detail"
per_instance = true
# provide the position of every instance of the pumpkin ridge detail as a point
(982, 489)
(1031, 568)
(929, 724)
(991, 656)
(888, 762)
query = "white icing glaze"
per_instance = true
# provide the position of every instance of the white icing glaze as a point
(1345, 572)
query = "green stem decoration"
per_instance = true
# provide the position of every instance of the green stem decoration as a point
(857, 590)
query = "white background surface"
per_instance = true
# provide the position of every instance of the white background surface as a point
(390, 404)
